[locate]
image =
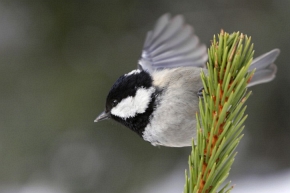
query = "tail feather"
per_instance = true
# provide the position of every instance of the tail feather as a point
(265, 68)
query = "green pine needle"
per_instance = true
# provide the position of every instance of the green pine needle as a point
(221, 113)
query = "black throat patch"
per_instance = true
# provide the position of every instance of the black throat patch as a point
(140, 121)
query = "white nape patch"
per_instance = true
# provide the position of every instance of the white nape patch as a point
(137, 71)
(131, 106)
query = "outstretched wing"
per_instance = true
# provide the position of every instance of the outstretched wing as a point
(171, 44)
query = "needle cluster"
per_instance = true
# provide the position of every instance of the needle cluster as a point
(221, 118)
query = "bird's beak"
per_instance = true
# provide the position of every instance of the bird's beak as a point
(103, 116)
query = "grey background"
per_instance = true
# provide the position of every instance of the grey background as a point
(58, 60)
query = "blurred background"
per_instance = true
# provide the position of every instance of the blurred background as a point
(58, 60)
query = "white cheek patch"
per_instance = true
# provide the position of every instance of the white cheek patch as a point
(137, 71)
(131, 106)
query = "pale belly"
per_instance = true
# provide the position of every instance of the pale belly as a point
(173, 122)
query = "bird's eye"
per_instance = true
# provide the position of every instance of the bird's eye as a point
(114, 103)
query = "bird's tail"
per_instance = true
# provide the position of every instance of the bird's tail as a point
(265, 68)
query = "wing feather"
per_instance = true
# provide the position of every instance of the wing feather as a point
(171, 44)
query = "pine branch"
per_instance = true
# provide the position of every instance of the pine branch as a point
(221, 117)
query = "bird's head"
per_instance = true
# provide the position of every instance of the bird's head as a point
(130, 100)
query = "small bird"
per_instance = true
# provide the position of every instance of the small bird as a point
(159, 99)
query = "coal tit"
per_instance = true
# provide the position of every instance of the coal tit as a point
(159, 99)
